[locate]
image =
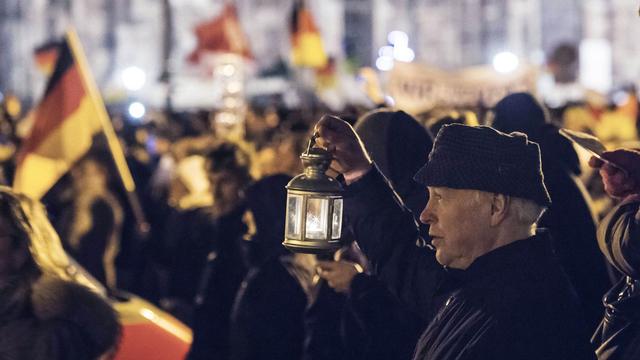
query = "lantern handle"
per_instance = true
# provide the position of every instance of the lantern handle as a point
(312, 141)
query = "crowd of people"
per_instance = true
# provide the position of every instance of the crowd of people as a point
(460, 240)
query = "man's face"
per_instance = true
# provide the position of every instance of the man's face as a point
(459, 224)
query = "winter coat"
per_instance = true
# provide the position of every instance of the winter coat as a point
(324, 326)
(267, 319)
(92, 228)
(391, 329)
(65, 320)
(618, 336)
(570, 218)
(388, 235)
(217, 285)
(514, 302)
(572, 225)
(267, 316)
(370, 323)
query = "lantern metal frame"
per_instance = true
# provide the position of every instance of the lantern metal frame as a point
(310, 185)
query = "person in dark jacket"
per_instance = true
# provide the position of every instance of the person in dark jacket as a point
(511, 298)
(618, 335)
(373, 323)
(215, 260)
(92, 224)
(267, 316)
(570, 218)
(67, 321)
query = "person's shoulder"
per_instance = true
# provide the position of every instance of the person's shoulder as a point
(54, 298)
(270, 286)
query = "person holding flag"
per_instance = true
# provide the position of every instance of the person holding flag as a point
(66, 123)
(69, 120)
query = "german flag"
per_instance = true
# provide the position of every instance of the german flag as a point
(69, 115)
(222, 34)
(46, 57)
(306, 43)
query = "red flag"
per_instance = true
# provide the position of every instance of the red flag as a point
(222, 34)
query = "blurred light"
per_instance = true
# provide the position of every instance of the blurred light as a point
(137, 110)
(620, 97)
(404, 54)
(389, 101)
(231, 103)
(148, 314)
(133, 78)
(384, 63)
(13, 106)
(398, 38)
(386, 51)
(234, 87)
(226, 118)
(227, 70)
(1, 97)
(505, 62)
(596, 70)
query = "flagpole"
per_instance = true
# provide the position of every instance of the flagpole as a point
(112, 140)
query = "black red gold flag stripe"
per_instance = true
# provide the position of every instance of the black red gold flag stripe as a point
(70, 113)
(46, 56)
(307, 49)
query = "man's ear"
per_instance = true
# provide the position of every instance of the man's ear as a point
(499, 205)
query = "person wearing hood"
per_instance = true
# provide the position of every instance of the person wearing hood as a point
(267, 315)
(399, 145)
(570, 218)
(369, 321)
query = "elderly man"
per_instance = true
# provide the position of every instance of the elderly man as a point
(507, 296)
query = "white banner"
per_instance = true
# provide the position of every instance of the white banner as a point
(417, 88)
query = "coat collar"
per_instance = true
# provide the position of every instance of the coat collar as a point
(519, 254)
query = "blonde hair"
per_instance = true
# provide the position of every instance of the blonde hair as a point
(46, 248)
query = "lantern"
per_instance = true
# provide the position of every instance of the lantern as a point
(314, 206)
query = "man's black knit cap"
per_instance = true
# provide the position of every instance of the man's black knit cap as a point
(482, 158)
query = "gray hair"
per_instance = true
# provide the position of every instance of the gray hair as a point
(527, 212)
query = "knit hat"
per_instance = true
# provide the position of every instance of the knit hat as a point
(482, 158)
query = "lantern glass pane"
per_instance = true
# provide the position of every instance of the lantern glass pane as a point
(294, 214)
(317, 214)
(336, 224)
